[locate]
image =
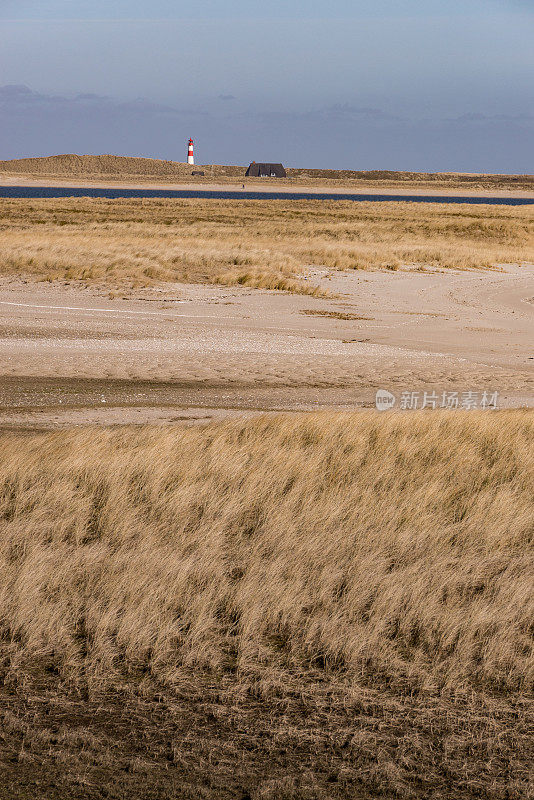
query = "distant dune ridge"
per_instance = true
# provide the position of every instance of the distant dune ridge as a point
(72, 164)
(125, 167)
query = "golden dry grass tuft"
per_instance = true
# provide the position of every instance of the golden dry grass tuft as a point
(393, 549)
(257, 279)
(316, 312)
(262, 243)
(315, 607)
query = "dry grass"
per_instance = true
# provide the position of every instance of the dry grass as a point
(109, 167)
(318, 606)
(262, 243)
(395, 549)
(316, 312)
(256, 279)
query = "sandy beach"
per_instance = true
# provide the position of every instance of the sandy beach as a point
(281, 186)
(73, 355)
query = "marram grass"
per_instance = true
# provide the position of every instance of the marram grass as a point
(391, 549)
(261, 244)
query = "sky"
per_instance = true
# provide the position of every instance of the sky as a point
(421, 85)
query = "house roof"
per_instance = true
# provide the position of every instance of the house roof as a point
(260, 170)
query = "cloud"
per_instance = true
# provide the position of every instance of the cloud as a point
(484, 118)
(143, 106)
(226, 97)
(348, 110)
(341, 136)
(15, 92)
(19, 96)
(36, 123)
(335, 117)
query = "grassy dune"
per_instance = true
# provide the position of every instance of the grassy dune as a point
(355, 588)
(372, 573)
(265, 243)
(119, 168)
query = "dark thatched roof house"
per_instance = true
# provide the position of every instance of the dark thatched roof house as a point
(265, 171)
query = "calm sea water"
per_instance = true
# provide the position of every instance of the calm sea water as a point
(243, 194)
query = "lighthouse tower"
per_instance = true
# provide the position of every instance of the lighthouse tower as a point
(190, 156)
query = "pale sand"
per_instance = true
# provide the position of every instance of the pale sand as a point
(268, 187)
(73, 355)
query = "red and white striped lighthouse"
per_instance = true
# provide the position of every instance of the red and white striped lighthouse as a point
(190, 156)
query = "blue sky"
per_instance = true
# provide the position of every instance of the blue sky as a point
(390, 84)
(299, 9)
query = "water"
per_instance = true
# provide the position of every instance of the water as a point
(243, 194)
